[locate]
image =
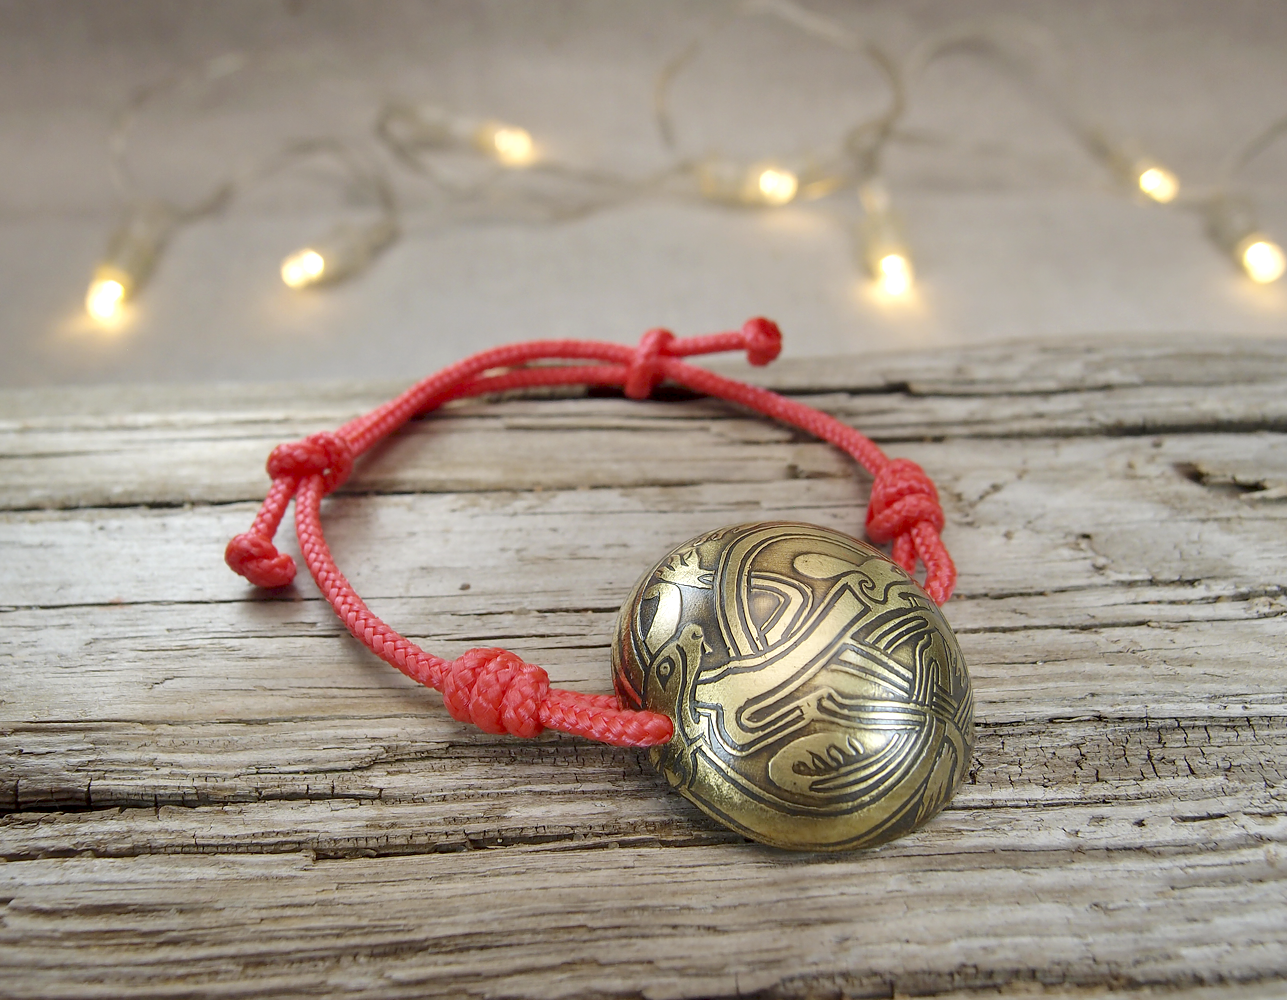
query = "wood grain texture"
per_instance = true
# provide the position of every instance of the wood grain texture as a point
(205, 791)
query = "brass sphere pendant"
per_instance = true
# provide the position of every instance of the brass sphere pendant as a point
(819, 697)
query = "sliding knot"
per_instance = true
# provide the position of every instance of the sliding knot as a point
(901, 498)
(763, 340)
(645, 372)
(257, 559)
(496, 691)
(324, 454)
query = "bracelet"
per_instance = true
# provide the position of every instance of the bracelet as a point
(796, 684)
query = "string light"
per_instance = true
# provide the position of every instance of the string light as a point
(106, 295)
(767, 184)
(410, 129)
(303, 268)
(349, 247)
(883, 247)
(133, 250)
(1231, 219)
(452, 151)
(1261, 258)
(1231, 224)
(895, 274)
(131, 255)
(1158, 183)
(508, 144)
(343, 252)
(776, 185)
(1139, 173)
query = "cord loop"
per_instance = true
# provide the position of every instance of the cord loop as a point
(496, 689)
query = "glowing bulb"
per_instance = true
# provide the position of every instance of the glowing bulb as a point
(777, 186)
(131, 255)
(737, 183)
(513, 146)
(509, 144)
(895, 275)
(884, 249)
(1159, 184)
(105, 298)
(1262, 259)
(303, 268)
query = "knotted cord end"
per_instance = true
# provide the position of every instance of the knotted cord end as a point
(257, 559)
(763, 340)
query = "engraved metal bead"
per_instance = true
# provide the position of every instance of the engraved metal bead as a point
(819, 697)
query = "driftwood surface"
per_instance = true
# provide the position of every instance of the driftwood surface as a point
(210, 791)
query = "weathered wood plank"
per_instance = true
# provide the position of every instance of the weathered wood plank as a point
(1072, 364)
(1023, 515)
(601, 443)
(164, 446)
(1117, 513)
(134, 788)
(293, 661)
(605, 923)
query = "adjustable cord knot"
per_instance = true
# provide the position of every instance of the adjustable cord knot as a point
(763, 340)
(902, 497)
(645, 373)
(324, 454)
(496, 691)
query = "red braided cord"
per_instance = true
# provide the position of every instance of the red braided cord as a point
(494, 688)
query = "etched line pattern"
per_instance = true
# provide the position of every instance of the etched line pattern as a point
(820, 698)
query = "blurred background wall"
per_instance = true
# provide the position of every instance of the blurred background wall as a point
(1016, 231)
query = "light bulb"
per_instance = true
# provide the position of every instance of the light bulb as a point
(1231, 224)
(1261, 258)
(1132, 169)
(303, 268)
(895, 274)
(777, 186)
(132, 252)
(883, 247)
(736, 183)
(1159, 183)
(508, 144)
(106, 296)
(341, 253)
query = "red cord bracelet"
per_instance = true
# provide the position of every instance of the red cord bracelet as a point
(494, 688)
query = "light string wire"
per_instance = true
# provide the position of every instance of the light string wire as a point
(480, 167)
(421, 137)
(150, 222)
(1230, 214)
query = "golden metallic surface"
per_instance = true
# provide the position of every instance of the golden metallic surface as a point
(819, 697)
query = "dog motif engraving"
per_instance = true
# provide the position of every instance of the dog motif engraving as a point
(819, 697)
